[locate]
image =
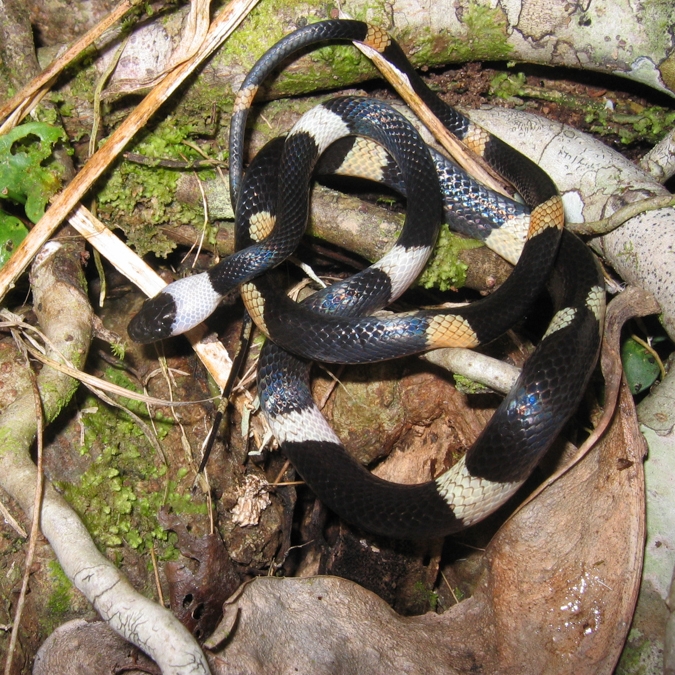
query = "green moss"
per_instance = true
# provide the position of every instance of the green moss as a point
(139, 199)
(119, 495)
(426, 595)
(485, 39)
(338, 66)
(335, 65)
(640, 656)
(445, 270)
(60, 597)
(649, 124)
(468, 386)
(627, 120)
(259, 31)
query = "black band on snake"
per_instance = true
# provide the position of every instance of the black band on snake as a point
(334, 324)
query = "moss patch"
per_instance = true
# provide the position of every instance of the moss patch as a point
(609, 115)
(138, 198)
(334, 65)
(485, 39)
(445, 270)
(59, 600)
(119, 495)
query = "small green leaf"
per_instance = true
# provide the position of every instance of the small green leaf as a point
(639, 365)
(12, 233)
(23, 178)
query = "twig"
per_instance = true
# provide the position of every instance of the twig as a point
(470, 162)
(619, 217)
(85, 378)
(158, 584)
(228, 19)
(653, 352)
(172, 163)
(11, 521)
(211, 352)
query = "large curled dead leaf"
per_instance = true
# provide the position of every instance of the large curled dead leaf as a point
(557, 594)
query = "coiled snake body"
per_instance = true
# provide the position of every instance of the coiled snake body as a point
(337, 325)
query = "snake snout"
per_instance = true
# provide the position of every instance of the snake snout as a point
(155, 321)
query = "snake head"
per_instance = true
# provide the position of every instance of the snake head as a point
(155, 321)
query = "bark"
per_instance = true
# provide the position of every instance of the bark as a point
(595, 182)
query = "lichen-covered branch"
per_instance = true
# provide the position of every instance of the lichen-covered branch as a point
(65, 317)
(433, 34)
(595, 181)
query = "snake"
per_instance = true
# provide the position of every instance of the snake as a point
(343, 323)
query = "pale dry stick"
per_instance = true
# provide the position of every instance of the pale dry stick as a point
(155, 569)
(24, 101)
(212, 353)
(200, 242)
(222, 26)
(12, 522)
(468, 160)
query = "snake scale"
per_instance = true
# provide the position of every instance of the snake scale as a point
(341, 323)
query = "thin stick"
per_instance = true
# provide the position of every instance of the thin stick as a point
(287, 463)
(653, 352)
(468, 160)
(11, 521)
(158, 585)
(620, 216)
(212, 353)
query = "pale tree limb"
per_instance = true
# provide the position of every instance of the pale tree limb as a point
(35, 523)
(596, 181)
(435, 34)
(498, 375)
(65, 315)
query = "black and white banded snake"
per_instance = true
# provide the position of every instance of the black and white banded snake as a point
(336, 324)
